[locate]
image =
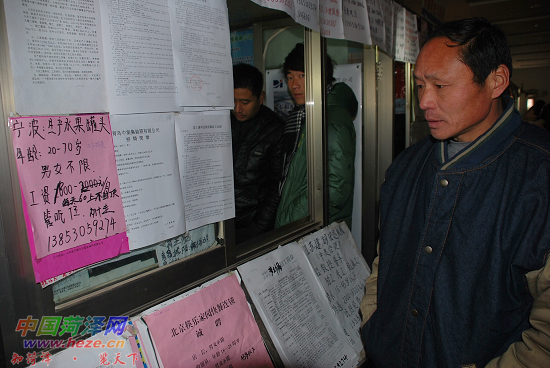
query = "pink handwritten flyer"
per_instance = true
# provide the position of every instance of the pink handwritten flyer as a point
(69, 181)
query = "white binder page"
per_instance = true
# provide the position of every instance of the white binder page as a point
(147, 166)
(56, 57)
(206, 166)
(295, 310)
(202, 52)
(138, 47)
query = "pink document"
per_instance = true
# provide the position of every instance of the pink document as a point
(72, 259)
(211, 328)
(69, 180)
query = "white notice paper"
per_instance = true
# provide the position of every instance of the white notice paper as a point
(185, 245)
(330, 18)
(202, 52)
(206, 166)
(307, 13)
(138, 46)
(147, 166)
(295, 310)
(387, 11)
(56, 57)
(376, 24)
(284, 5)
(356, 21)
(406, 35)
(342, 271)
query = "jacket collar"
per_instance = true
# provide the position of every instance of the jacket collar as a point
(488, 144)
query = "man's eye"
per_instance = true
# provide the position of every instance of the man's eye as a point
(439, 86)
(419, 86)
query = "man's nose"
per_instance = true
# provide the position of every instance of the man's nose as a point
(238, 107)
(425, 98)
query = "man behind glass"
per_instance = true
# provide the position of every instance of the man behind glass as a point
(257, 159)
(341, 109)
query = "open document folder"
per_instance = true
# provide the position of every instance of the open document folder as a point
(299, 310)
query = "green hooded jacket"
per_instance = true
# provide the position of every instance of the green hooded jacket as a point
(341, 110)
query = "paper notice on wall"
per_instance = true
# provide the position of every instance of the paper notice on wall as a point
(284, 5)
(68, 177)
(147, 165)
(138, 44)
(406, 35)
(342, 271)
(330, 18)
(56, 57)
(202, 52)
(296, 311)
(216, 327)
(192, 242)
(376, 24)
(387, 10)
(356, 21)
(306, 13)
(206, 166)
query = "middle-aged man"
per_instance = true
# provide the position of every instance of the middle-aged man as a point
(257, 156)
(462, 277)
(341, 109)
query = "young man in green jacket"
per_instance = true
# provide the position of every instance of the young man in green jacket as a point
(341, 109)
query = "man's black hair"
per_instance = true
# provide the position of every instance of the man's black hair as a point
(295, 61)
(483, 47)
(248, 76)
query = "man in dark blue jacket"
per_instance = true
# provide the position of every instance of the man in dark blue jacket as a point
(257, 157)
(462, 278)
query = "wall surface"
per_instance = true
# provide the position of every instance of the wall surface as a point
(533, 79)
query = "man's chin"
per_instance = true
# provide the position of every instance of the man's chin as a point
(439, 135)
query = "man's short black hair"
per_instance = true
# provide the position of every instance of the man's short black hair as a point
(295, 61)
(248, 76)
(483, 47)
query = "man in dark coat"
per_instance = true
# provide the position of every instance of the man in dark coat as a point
(257, 157)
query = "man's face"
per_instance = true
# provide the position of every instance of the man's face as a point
(296, 81)
(454, 105)
(246, 104)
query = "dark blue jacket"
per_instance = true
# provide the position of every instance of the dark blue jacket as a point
(456, 240)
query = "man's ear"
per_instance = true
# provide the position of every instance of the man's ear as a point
(262, 97)
(500, 79)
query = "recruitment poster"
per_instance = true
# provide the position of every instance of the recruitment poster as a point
(68, 180)
(216, 327)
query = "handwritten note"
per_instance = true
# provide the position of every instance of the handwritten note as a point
(214, 325)
(330, 18)
(342, 271)
(356, 21)
(406, 35)
(185, 245)
(68, 178)
(376, 24)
